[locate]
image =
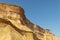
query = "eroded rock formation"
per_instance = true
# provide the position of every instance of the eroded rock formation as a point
(15, 26)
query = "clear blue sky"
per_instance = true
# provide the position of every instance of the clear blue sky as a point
(45, 13)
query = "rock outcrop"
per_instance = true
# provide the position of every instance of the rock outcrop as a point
(15, 26)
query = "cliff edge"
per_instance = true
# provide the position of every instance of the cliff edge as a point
(15, 26)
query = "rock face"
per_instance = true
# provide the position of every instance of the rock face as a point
(15, 26)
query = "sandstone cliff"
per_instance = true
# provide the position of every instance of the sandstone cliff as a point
(15, 26)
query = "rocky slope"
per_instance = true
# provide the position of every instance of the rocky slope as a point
(15, 26)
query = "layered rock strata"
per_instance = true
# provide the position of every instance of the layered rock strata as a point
(15, 26)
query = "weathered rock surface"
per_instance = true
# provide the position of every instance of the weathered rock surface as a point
(15, 26)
